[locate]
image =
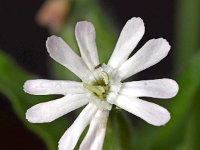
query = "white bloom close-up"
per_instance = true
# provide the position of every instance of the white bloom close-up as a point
(102, 85)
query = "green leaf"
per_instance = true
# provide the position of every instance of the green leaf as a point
(191, 137)
(12, 78)
(119, 132)
(181, 108)
(187, 31)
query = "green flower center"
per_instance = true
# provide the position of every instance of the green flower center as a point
(100, 87)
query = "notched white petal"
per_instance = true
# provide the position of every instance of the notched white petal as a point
(150, 112)
(46, 87)
(150, 54)
(62, 53)
(94, 138)
(159, 88)
(70, 138)
(128, 40)
(86, 38)
(51, 110)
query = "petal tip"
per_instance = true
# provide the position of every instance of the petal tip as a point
(51, 41)
(83, 23)
(82, 26)
(51, 38)
(36, 115)
(175, 88)
(164, 119)
(30, 116)
(31, 87)
(27, 87)
(172, 87)
(164, 43)
(137, 21)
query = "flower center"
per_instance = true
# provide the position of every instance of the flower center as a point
(100, 87)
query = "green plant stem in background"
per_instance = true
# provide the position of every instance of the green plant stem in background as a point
(192, 136)
(119, 132)
(187, 31)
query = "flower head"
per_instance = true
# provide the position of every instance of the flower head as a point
(101, 85)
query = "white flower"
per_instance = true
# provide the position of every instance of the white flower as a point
(101, 85)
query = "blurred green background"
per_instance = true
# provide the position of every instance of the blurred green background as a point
(23, 56)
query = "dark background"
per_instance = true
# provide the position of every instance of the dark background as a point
(24, 40)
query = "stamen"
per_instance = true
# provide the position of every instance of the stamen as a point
(105, 77)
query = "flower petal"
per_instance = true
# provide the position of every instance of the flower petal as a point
(159, 88)
(71, 136)
(150, 112)
(95, 136)
(49, 111)
(86, 36)
(63, 54)
(128, 40)
(150, 54)
(46, 87)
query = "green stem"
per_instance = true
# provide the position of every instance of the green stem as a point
(187, 31)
